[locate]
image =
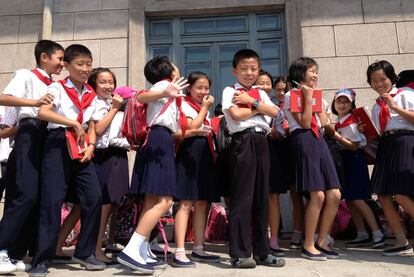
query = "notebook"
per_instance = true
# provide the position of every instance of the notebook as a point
(370, 130)
(296, 101)
(73, 147)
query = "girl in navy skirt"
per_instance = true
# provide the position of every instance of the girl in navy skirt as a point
(111, 160)
(356, 176)
(195, 172)
(313, 167)
(154, 173)
(278, 177)
(393, 174)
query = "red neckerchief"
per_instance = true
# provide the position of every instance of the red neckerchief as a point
(285, 123)
(86, 100)
(47, 81)
(253, 92)
(314, 126)
(197, 108)
(410, 85)
(350, 120)
(384, 114)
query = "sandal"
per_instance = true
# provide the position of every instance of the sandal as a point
(271, 260)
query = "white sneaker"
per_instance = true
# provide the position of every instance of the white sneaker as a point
(21, 266)
(6, 266)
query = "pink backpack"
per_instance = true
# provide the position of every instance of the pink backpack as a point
(217, 223)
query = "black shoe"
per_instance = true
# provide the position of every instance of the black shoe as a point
(243, 263)
(135, 265)
(40, 270)
(378, 243)
(62, 259)
(314, 257)
(277, 252)
(177, 263)
(358, 242)
(205, 258)
(91, 263)
(270, 260)
(396, 251)
(330, 254)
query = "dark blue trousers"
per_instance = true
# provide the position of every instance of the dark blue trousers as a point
(58, 171)
(18, 225)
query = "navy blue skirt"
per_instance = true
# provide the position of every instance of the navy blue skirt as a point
(312, 163)
(154, 169)
(356, 186)
(195, 171)
(279, 174)
(394, 167)
(116, 177)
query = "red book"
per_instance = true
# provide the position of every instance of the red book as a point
(370, 130)
(73, 147)
(296, 101)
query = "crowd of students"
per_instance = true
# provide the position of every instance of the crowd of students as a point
(268, 150)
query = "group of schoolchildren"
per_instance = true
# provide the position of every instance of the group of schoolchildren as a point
(272, 150)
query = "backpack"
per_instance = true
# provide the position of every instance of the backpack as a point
(127, 219)
(134, 124)
(217, 224)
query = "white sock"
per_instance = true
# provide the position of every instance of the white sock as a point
(377, 235)
(155, 246)
(362, 235)
(143, 251)
(180, 255)
(133, 247)
(199, 249)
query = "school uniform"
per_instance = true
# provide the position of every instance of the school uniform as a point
(154, 169)
(311, 162)
(195, 163)
(18, 225)
(111, 161)
(393, 172)
(8, 119)
(249, 189)
(279, 175)
(59, 170)
(356, 174)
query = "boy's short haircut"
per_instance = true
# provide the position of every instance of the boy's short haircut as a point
(245, 54)
(76, 50)
(298, 68)
(94, 76)
(158, 69)
(384, 65)
(404, 78)
(46, 46)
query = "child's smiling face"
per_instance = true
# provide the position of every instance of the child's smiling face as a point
(105, 85)
(264, 83)
(246, 72)
(380, 82)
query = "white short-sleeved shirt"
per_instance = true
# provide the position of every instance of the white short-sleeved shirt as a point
(115, 135)
(25, 84)
(351, 132)
(405, 100)
(293, 124)
(64, 106)
(102, 109)
(9, 118)
(278, 123)
(258, 120)
(192, 113)
(170, 117)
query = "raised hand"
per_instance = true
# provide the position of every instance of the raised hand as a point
(175, 88)
(242, 98)
(208, 101)
(117, 102)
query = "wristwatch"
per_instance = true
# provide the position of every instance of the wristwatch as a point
(255, 104)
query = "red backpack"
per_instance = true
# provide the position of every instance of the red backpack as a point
(217, 223)
(134, 124)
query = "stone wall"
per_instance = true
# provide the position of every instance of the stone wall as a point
(101, 25)
(346, 36)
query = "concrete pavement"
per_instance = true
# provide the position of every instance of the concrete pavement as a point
(353, 262)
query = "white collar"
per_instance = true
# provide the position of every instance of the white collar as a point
(70, 84)
(341, 120)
